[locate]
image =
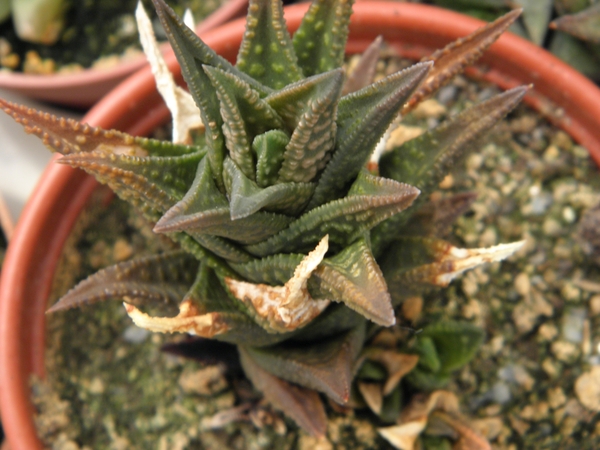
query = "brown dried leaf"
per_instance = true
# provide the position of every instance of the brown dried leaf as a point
(372, 394)
(396, 364)
(456, 56)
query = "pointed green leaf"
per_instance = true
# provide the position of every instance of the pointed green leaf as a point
(303, 405)
(363, 118)
(424, 161)
(320, 41)
(266, 52)
(192, 55)
(325, 366)
(244, 115)
(295, 100)
(269, 148)
(314, 136)
(158, 278)
(171, 175)
(205, 210)
(246, 197)
(344, 220)
(146, 183)
(354, 278)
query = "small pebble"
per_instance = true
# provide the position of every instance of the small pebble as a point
(565, 351)
(587, 389)
(135, 335)
(522, 284)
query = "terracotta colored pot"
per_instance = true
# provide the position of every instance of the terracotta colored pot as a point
(414, 30)
(83, 89)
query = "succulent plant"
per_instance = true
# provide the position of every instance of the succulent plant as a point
(295, 243)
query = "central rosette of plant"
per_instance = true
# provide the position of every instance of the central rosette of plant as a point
(289, 225)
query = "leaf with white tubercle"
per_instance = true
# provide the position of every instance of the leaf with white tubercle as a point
(345, 219)
(266, 52)
(314, 137)
(246, 197)
(320, 41)
(456, 56)
(244, 115)
(205, 210)
(363, 118)
(351, 277)
(164, 277)
(68, 136)
(295, 100)
(326, 368)
(427, 159)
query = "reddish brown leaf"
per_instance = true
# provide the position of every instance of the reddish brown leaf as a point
(456, 56)
(301, 404)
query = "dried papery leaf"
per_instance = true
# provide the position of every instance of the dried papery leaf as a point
(325, 365)
(187, 321)
(184, 112)
(363, 117)
(414, 418)
(413, 264)
(320, 40)
(468, 437)
(403, 437)
(372, 395)
(363, 72)
(396, 365)
(584, 25)
(455, 57)
(266, 52)
(370, 201)
(160, 278)
(303, 405)
(284, 308)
